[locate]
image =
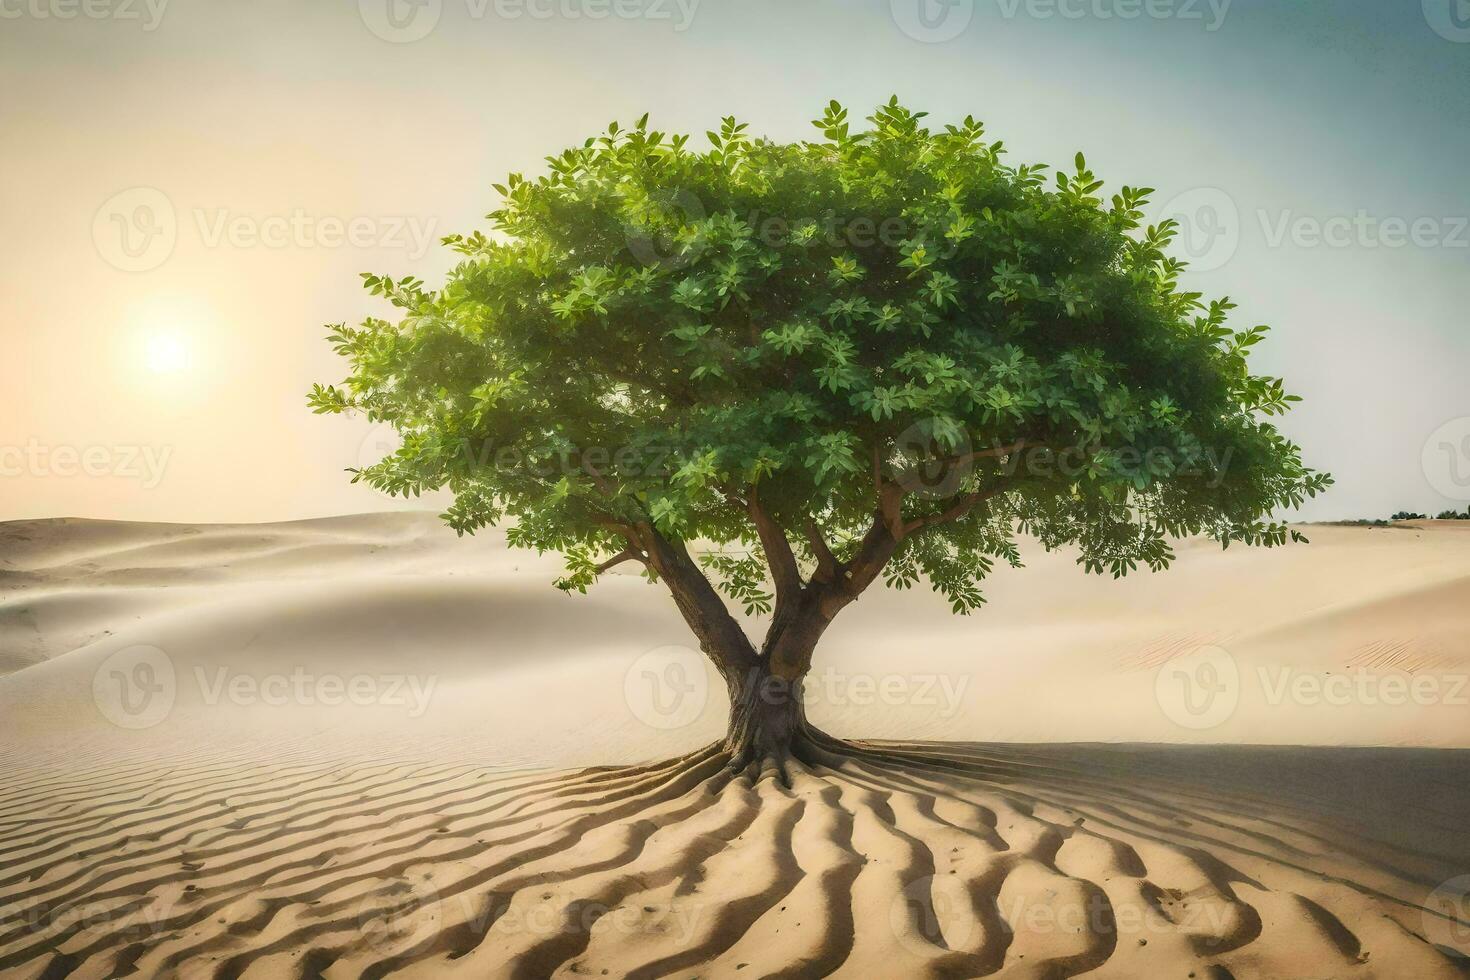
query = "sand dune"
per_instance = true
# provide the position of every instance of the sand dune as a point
(1055, 656)
(913, 860)
(512, 823)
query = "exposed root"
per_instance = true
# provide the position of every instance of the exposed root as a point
(805, 856)
(809, 749)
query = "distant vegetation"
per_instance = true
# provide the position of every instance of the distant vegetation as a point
(1405, 515)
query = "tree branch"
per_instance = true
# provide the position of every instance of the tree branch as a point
(627, 554)
(992, 453)
(827, 565)
(719, 635)
(962, 506)
(779, 556)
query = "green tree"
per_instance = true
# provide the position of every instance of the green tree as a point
(788, 371)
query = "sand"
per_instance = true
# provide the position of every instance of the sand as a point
(520, 789)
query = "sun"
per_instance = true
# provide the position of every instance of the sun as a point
(165, 353)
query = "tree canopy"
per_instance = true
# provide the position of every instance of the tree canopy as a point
(879, 355)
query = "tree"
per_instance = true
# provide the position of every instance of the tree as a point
(788, 371)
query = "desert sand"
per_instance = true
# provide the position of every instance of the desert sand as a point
(518, 786)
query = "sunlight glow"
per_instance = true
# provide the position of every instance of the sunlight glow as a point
(166, 353)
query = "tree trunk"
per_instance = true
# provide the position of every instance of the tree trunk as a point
(768, 725)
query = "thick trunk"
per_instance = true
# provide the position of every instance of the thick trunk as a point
(768, 726)
(767, 717)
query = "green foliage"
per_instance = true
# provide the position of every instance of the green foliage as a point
(650, 331)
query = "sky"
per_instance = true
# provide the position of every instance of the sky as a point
(191, 188)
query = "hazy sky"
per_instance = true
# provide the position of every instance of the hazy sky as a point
(190, 188)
